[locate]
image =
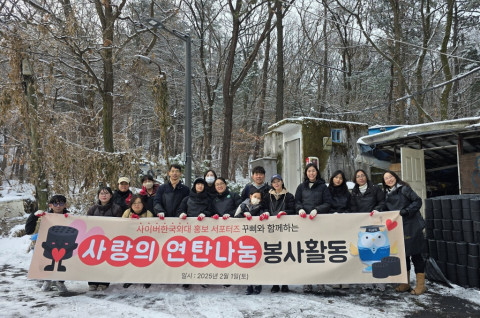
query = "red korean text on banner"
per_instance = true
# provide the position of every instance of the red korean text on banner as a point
(221, 252)
(119, 251)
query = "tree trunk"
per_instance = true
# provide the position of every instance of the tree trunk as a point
(426, 18)
(261, 104)
(280, 64)
(38, 171)
(399, 84)
(230, 85)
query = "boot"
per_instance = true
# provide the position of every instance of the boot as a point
(404, 287)
(420, 288)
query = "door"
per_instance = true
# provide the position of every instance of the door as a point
(292, 165)
(413, 171)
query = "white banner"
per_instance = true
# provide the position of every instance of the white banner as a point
(330, 249)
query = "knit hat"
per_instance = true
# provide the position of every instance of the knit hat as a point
(198, 180)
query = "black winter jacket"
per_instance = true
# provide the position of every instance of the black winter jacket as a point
(122, 199)
(226, 203)
(340, 200)
(110, 209)
(317, 197)
(254, 210)
(263, 190)
(148, 198)
(212, 192)
(168, 199)
(403, 198)
(32, 221)
(372, 199)
(195, 204)
(285, 202)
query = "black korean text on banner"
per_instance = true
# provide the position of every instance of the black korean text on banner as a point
(340, 248)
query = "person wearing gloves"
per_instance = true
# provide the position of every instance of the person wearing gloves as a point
(197, 204)
(337, 185)
(312, 197)
(104, 207)
(279, 202)
(148, 191)
(210, 176)
(224, 203)
(122, 195)
(400, 196)
(366, 197)
(137, 209)
(170, 195)
(247, 209)
(57, 204)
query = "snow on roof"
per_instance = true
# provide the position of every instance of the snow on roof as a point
(411, 130)
(300, 120)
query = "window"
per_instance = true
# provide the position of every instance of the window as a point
(338, 135)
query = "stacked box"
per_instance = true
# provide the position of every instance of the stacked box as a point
(453, 233)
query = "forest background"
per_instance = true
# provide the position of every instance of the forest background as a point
(89, 91)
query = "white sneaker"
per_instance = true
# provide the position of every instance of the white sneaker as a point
(61, 287)
(102, 287)
(92, 287)
(321, 288)
(46, 285)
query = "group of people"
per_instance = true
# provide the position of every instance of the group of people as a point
(211, 197)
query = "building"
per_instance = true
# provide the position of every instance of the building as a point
(290, 142)
(438, 158)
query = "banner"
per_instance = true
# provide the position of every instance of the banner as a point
(330, 249)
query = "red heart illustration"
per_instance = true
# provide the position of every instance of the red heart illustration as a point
(391, 225)
(58, 254)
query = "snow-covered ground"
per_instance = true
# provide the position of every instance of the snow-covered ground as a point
(21, 297)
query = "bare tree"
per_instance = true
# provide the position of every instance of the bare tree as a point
(240, 12)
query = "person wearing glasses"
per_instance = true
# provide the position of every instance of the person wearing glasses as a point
(137, 209)
(104, 207)
(224, 203)
(366, 197)
(56, 204)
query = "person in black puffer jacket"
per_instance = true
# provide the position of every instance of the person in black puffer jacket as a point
(248, 208)
(224, 202)
(279, 199)
(339, 192)
(197, 204)
(279, 202)
(210, 176)
(366, 197)
(400, 196)
(104, 207)
(312, 197)
(148, 191)
(169, 195)
(122, 195)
